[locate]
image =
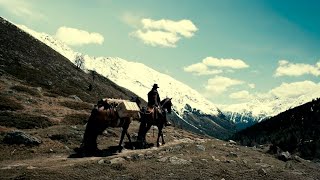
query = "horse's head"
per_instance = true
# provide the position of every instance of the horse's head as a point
(166, 104)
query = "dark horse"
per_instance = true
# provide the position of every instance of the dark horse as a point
(153, 116)
(104, 115)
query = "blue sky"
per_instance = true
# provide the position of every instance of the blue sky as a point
(254, 34)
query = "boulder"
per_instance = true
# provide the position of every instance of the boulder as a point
(20, 137)
(200, 147)
(262, 172)
(232, 142)
(284, 156)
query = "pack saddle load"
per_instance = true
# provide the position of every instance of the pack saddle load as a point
(125, 108)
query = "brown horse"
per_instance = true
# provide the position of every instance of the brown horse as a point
(154, 116)
(104, 115)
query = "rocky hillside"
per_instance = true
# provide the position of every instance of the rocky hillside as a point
(296, 130)
(36, 64)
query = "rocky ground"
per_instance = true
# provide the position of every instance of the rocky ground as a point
(54, 125)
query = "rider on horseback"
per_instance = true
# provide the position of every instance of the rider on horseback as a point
(154, 101)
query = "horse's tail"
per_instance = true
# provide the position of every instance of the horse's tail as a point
(89, 141)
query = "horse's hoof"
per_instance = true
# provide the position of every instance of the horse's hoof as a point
(120, 148)
(158, 145)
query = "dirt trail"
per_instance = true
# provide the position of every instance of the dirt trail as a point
(62, 160)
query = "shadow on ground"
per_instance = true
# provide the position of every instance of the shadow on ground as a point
(110, 151)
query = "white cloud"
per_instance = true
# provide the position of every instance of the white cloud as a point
(227, 63)
(252, 85)
(183, 27)
(23, 9)
(157, 38)
(286, 68)
(201, 69)
(295, 89)
(77, 37)
(221, 84)
(241, 95)
(164, 32)
(205, 67)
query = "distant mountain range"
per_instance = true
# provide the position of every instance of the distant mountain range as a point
(258, 109)
(296, 130)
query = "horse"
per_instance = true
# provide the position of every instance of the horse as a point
(153, 116)
(103, 115)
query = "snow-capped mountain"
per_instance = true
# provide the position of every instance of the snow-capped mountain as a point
(134, 76)
(258, 109)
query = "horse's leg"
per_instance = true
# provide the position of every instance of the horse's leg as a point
(129, 138)
(159, 134)
(162, 138)
(124, 131)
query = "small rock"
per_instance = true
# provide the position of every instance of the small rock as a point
(262, 172)
(136, 157)
(128, 158)
(118, 160)
(201, 147)
(245, 162)
(215, 159)
(232, 142)
(297, 158)
(232, 154)
(51, 150)
(101, 161)
(163, 159)
(230, 161)
(177, 161)
(205, 160)
(31, 167)
(284, 156)
(20, 137)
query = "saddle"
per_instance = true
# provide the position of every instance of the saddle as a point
(155, 110)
